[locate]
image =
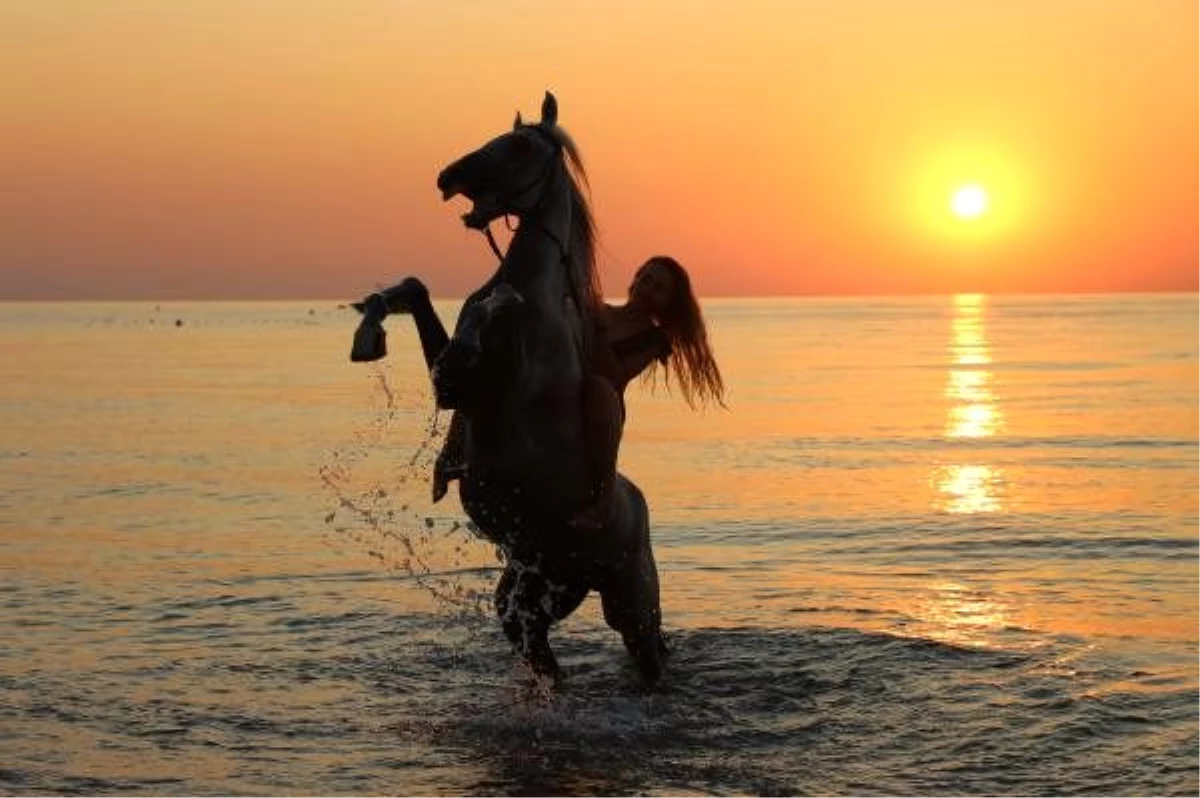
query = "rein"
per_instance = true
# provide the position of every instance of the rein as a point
(491, 239)
(562, 248)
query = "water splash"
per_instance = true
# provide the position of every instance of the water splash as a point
(379, 484)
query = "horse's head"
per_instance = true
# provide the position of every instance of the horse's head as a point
(508, 174)
(532, 172)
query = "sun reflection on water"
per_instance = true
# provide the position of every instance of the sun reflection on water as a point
(971, 414)
(963, 616)
(969, 488)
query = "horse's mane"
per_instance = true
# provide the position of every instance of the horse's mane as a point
(585, 279)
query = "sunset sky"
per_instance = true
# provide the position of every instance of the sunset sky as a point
(288, 148)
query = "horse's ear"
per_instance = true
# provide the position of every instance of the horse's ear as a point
(549, 110)
(517, 122)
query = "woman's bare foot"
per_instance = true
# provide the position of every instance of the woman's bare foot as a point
(443, 473)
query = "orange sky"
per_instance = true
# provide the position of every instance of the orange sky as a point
(288, 148)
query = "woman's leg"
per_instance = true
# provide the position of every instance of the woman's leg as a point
(603, 422)
(449, 464)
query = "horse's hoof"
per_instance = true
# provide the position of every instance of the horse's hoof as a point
(549, 671)
(443, 474)
(652, 674)
(543, 663)
(649, 655)
(370, 341)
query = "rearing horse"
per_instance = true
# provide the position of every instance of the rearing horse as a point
(513, 370)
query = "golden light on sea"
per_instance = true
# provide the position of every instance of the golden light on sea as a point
(972, 413)
(961, 615)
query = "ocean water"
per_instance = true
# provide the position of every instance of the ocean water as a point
(938, 545)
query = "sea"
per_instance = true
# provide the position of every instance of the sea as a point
(941, 545)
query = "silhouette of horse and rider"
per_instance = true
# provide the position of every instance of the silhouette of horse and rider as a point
(535, 373)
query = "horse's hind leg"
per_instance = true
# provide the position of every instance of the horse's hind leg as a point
(630, 601)
(528, 605)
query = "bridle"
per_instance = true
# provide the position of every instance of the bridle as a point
(542, 178)
(581, 338)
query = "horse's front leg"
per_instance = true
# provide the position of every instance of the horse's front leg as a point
(409, 296)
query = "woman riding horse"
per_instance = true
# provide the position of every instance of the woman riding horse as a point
(515, 371)
(660, 325)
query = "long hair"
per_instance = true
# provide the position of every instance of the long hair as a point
(691, 359)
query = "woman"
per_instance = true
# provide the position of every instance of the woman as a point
(660, 325)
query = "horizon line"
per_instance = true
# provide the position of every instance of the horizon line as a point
(702, 297)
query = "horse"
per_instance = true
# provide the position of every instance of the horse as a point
(514, 370)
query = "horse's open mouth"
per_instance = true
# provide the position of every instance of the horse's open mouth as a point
(484, 208)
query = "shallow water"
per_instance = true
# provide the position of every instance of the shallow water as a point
(941, 545)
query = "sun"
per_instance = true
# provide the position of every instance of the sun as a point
(969, 201)
(964, 197)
